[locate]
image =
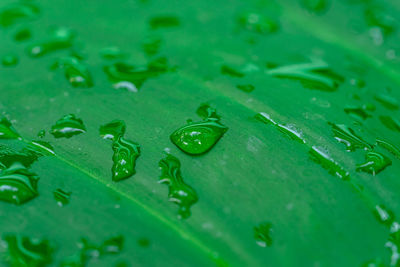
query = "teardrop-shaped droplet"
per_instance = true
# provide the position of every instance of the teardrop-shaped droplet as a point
(113, 129)
(18, 12)
(17, 184)
(62, 197)
(67, 127)
(27, 252)
(262, 234)
(61, 39)
(374, 163)
(320, 156)
(75, 71)
(178, 191)
(347, 136)
(7, 131)
(125, 154)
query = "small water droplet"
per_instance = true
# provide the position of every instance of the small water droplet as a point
(9, 60)
(390, 123)
(315, 75)
(24, 251)
(387, 101)
(262, 234)
(246, 87)
(61, 39)
(75, 71)
(347, 136)
(257, 23)
(384, 215)
(17, 184)
(164, 21)
(8, 156)
(67, 127)
(178, 191)
(229, 71)
(125, 154)
(61, 197)
(320, 156)
(7, 131)
(22, 35)
(112, 130)
(18, 12)
(197, 138)
(374, 163)
(41, 134)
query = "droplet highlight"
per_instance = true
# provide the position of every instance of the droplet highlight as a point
(374, 163)
(68, 126)
(263, 234)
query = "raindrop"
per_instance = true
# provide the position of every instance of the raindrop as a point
(61, 39)
(125, 154)
(320, 156)
(262, 234)
(374, 163)
(61, 197)
(112, 129)
(7, 131)
(347, 136)
(76, 73)
(67, 127)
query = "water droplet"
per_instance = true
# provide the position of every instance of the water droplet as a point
(41, 134)
(377, 17)
(390, 123)
(389, 147)
(316, 6)
(24, 251)
(265, 118)
(178, 192)
(22, 35)
(61, 39)
(7, 131)
(18, 12)
(262, 234)
(112, 129)
(164, 21)
(387, 101)
(8, 156)
(67, 127)
(143, 242)
(125, 154)
(320, 156)
(374, 163)
(229, 71)
(61, 197)
(9, 60)
(348, 137)
(128, 76)
(17, 184)
(384, 215)
(292, 132)
(257, 22)
(41, 148)
(357, 112)
(151, 45)
(75, 71)
(246, 87)
(112, 53)
(197, 138)
(316, 75)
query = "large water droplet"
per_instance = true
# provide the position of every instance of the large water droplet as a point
(316, 75)
(197, 138)
(61, 39)
(26, 156)
(17, 184)
(321, 157)
(41, 148)
(75, 71)
(164, 21)
(112, 130)
(374, 163)
(262, 234)
(257, 22)
(27, 252)
(67, 127)
(125, 154)
(178, 192)
(61, 197)
(347, 136)
(18, 12)
(7, 131)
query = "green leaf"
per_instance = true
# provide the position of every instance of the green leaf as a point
(293, 162)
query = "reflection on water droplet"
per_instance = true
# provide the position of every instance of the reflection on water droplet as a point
(67, 127)
(246, 87)
(125, 154)
(197, 138)
(61, 197)
(257, 22)
(320, 156)
(387, 101)
(9, 60)
(41, 148)
(292, 132)
(390, 123)
(229, 71)
(164, 21)
(26, 156)
(262, 234)
(374, 163)
(389, 147)
(316, 75)
(18, 12)
(75, 71)
(384, 215)
(22, 35)
(7, 131)
(178, 192)
(17, 184)
(61, 39)
(347, 136)
(27, 252)
(112, 129)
